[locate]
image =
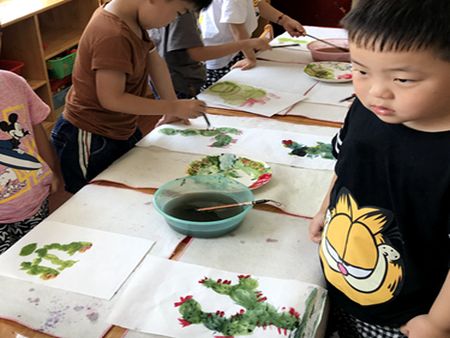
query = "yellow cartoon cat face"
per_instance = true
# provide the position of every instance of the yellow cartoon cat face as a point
(356, 259)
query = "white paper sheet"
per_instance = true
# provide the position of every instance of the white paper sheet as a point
(80, 261)
(295, 55)
(258, 144)
(169, 284)
(244, 97)
(320, 112)
(53, 311)
(275, 76)
(330, 94)
(284, 83)
(126, 212)
(320, 32)
(265, 244)
(300, 190)
(72, 315)
(251, 122)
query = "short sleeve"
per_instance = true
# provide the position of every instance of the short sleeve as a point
(448, 239)
(112, 53)
(339, 138)
(184, 33)
(234, 11)
(37, 108)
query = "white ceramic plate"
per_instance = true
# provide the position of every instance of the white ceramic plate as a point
(329, 71)
(251, 173)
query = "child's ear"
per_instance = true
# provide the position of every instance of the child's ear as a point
(4, 126)
(13, 118)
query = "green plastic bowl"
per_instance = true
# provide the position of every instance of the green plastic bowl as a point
(210, 184)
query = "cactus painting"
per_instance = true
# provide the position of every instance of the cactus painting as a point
(47, 253)
(320, 150)
(173, 299)
(256, 311)
(74, 258)
(221, 136)
(239, 94)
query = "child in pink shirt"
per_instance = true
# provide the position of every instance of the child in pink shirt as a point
(25, 156)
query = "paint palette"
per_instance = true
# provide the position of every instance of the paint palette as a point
(329, 71)
(251, 173)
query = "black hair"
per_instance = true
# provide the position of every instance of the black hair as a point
(201, 4)
(401, 25)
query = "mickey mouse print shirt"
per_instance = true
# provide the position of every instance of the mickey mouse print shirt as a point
(24, 176)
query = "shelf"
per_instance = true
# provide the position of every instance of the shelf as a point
(35, 84)
(57, 41)
(12, 11)
(37, 30)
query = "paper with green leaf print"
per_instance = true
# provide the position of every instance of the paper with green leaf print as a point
(268, 89)
(73, 258)
(197, 301)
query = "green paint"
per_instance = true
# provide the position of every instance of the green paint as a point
(44, 272)
(220, 135)
(236, 93)
(290, 40)
(228, 165)
(317, 70)
(256, 312)
(311, 301)
(322, 150)
(28, 249)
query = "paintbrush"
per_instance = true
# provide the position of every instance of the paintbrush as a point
(287, 45)
(348, 98)
(205, 117)
(328, 43)
(234, 205)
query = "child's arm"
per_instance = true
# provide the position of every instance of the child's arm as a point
(204, 53)
(293, 27)
(240, 33)
(47, 152)
(436, 323)
(316, 224)
(111, 93)
(160, 76)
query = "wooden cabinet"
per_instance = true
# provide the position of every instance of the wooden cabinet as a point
(37, 30)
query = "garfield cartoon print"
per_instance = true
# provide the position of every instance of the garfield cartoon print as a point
(356, 253)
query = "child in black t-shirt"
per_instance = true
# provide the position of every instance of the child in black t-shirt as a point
(384, 226)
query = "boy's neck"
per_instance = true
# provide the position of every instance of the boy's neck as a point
(127, 12)
(431, 126)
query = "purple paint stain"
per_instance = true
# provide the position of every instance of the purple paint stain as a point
(93, 316)
(78, 308)
(54, 318)
(271, 240)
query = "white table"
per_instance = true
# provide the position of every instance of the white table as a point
(278, 248)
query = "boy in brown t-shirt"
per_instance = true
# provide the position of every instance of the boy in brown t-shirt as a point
(110, 79)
